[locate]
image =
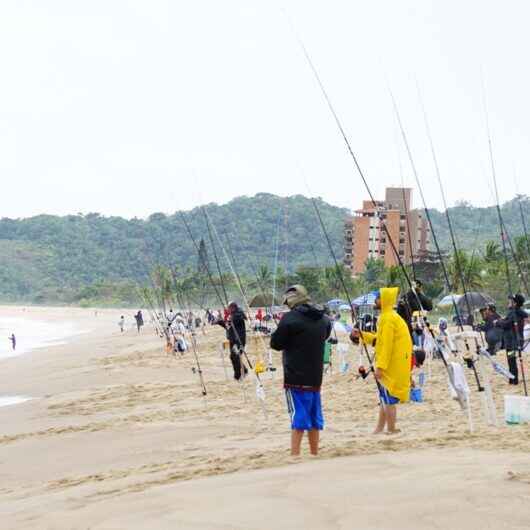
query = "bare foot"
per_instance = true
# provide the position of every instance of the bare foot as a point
(395, 431)
(378, 431)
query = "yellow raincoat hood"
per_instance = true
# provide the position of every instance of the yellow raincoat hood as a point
(393, 347)
(388, 298)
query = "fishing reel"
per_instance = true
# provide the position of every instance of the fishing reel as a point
(362, 372)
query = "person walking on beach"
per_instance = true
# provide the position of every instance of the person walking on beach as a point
(301, 336)
(393, 350)
(121, 323)
(13, 340)
(513, 332)
(139, 320)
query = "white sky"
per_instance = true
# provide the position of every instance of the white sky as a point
(136, 106)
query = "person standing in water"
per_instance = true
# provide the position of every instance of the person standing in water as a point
(121, 323)
(13, 340)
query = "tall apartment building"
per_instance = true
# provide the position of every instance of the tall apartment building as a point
(364, 236)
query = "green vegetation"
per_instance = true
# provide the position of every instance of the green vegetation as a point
(91, 259)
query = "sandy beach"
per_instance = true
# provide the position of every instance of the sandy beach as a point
(118, 435)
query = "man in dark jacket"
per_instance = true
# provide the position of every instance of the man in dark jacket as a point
(301, 335)
(513, 332)
(492, 333)
(236, 333)
(416, 300)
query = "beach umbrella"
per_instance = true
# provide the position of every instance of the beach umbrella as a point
(341, 328)
(475, 300)
(261, 300)
(332, 304)
(365, 299)
(448, 300)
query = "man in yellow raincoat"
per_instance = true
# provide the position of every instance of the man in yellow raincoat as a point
(393, 350)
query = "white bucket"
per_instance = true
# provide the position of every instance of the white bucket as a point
(516, 409)
(525, 409)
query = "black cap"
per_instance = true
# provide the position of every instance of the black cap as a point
(518, 299)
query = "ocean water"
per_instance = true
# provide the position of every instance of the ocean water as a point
(31, 334)
(6, 401)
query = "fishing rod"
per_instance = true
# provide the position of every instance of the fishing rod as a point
(150, 305)
(275, 264)
(503, 234)
(340, 276)
(216, 257)
(407, 219)
(370, 194)
(165, 289)
(194, 348)
(357, 166)
(338, 270)
(525, 229)
(260, 391)
(270, 366)
(488, 401)
(197, 248)
(468, 359)
(180, 294)
(497, 206)
(515, 257)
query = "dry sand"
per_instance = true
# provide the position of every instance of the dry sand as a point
(121, 437)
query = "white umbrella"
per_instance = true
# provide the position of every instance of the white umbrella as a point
(449, 300)
(339, 327)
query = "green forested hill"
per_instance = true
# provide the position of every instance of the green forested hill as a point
(49, 258)
(46, 258)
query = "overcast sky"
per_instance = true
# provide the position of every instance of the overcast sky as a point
(134, 107)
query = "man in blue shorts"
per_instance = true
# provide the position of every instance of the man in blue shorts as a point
(301, 336)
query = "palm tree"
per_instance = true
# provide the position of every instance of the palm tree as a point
(470, 268)
(492, 252)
